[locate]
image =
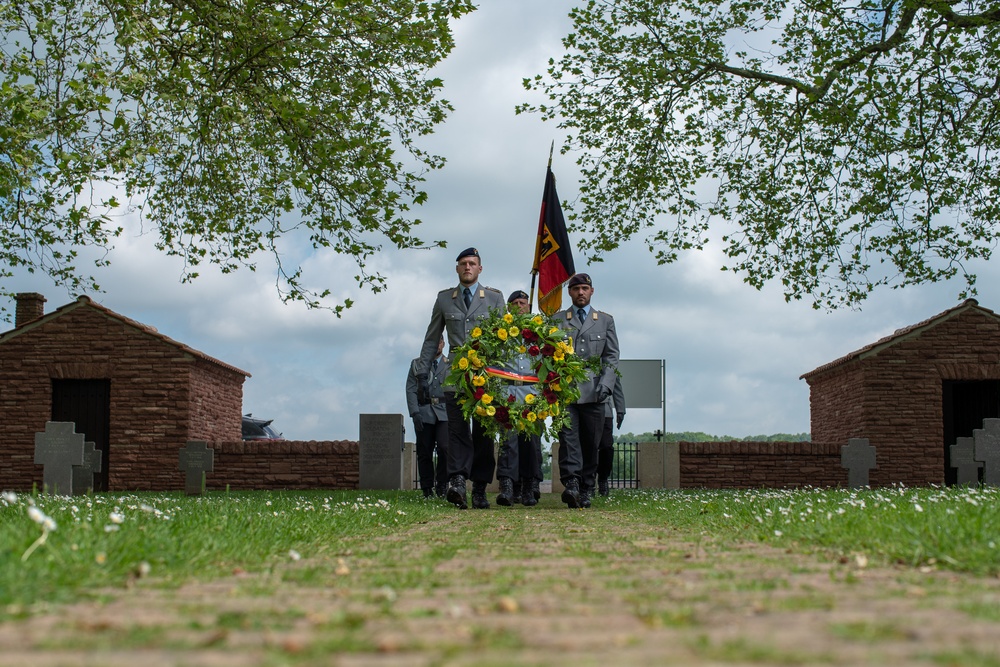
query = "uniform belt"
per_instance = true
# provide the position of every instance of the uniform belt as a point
(434, 400)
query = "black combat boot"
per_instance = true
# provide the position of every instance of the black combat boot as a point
(586, 493)
(527, 495)
(571, 494)
(456, 492)
(535, 491)
(479, 501)
(516, 498)
(506, 495)
(602, 486)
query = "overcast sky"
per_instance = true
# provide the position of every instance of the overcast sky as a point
(733, 355)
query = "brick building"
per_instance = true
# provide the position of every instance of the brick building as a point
(912, 393)
(137, 394)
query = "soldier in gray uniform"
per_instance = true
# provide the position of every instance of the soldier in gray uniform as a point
(521, 454)
(425, 402)
(615, 404)
(459, 310)
(594, 335)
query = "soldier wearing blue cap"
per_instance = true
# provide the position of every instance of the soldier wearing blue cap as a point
(594, 335)
(519, 469)
(456, 312)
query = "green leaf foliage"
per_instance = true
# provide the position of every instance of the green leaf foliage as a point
(228, 125)
(837, 148)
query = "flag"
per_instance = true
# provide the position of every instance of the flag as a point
(553, 255)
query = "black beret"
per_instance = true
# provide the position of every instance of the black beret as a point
(468, 252)
(580, 279)
(517, 294)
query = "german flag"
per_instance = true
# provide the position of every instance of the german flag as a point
(553, 255)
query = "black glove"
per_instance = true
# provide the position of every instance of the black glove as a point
(621, 418)
(418, 425)
(602, 393)
(422, 395)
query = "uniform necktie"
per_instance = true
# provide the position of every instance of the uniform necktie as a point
(468, 297)
(434, 366)
(581, 313)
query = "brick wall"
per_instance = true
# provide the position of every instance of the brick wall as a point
(745, 465)
(273, 464)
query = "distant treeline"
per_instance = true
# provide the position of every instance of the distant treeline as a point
(689, 436)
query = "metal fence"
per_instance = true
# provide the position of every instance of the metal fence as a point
(625, 468)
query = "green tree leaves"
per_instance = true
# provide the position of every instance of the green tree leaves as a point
(230, 125)
(837, 148)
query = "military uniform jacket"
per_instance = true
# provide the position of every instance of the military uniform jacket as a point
(450, 315)
(435, 411)
(596, 337)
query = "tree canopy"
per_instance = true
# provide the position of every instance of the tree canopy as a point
(837, 147)
(227, 124)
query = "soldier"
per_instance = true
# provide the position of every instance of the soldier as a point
(615, 404)
(425, 402)
(521, 455)
(594, 335)
(459, 310)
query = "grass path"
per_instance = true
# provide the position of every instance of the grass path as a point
(540, 586)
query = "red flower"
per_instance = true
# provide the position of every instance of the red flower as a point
(548, 350)
(528, 335)
(534, 351)
(478, 393)
(510, 399)
(550, 396)
(503, 415)
(552, 376)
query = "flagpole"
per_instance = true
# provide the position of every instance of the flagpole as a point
(534, 265)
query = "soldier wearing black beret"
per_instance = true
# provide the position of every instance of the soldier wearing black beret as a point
(456, 312)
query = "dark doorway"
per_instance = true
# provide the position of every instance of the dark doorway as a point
(966, 404)
(87, 403)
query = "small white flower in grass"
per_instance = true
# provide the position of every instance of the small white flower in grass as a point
(294, 555)
(917, 507)
(110, 528)
(116, 517)
(9, 497)
(778, 533)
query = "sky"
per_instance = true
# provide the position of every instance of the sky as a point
(733, 355)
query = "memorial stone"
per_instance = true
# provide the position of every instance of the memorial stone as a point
(380, 452)
(58, 449)
(196, 459)
(83, 475)
(987, 450)
(858, 457)
(961, 456)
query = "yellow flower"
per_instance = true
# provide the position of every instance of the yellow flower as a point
(477, 362)
(522, 349)
(486, 399)
(463, 363)
(481, 411)
(472, 354)
(543, 414)
(555, 387)
(531, 417)
(502, 334)
(558, 355)
(553, 330)
(514, 331)
(491, 411)
(537, 319)
(478, 381)
(477, 332)
(508, 318)
(529, 399)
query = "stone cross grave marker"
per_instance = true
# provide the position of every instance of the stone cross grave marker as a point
(380, 452)
(58, 449)
(196, 460)
(83, 475)
(987, 450)
(858, 457)
(963, 461)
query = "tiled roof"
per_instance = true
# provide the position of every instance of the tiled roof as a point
(899, 335)
(85, 301)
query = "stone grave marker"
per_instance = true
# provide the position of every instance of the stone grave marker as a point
(83, 475)
(58, 449)
(380, 452)
(196, 460)
(961, 456)
(987, 450)
(858, 457)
